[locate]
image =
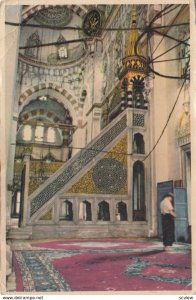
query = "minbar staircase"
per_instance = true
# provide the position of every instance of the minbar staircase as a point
(57, 183)
(64, 177)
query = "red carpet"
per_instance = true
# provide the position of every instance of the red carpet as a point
(109, 265)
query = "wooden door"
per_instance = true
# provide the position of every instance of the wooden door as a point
(181, 221)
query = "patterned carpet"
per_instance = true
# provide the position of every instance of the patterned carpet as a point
(102, 265)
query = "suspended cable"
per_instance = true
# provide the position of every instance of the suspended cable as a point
(170, 37)
(168, 76)
(169, 117)
(151, 54)
(159, 14)
(130, 154)
(86, 149)
(153, 29)
(166, 60)
(179, 12)
(163, 75)
(170, 49)
(158, 45)
(90, 39)
(153, 60)
(81, 29)
(170, 26)
(56, 43)
(44, 26)
(146, 29)
(167, 12)
(164, 12)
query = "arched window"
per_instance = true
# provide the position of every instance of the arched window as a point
(139, 209)
(85, 211)
(33, 40)
(104, 211)
(138, 143)
(62, 49)
(121, 213)
(39, 133)
(62, 52)
(67, 211)
(51, 136)
(27, 133)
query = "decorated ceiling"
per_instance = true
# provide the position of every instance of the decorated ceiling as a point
(54, 16)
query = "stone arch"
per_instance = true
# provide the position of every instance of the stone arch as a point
(61, 95)
(138, 191)
(66, 210)
(121, 212)
(138, 143)
(49, 86)
(85, 211)
(104, 211)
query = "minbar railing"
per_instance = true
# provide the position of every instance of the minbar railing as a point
(71, 168)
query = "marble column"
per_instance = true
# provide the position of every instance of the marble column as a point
(26, 159)
(12, 12)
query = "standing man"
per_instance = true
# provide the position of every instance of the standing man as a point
(168, 216)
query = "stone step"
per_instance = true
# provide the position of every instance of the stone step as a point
(19, 233)
(89, 231)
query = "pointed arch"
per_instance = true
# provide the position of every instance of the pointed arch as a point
(85, 212)
(103, 211)
(138, 192)
(49, 86)
(121, 212)
(138, 143)
(66, 211)
(33, 40)
(59, 94)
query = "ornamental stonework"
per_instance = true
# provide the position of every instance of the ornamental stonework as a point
(138, 120)
(108, 176)
(39, 172)
(80, 161)
(47, 216)
(54, 16)
(183, 128)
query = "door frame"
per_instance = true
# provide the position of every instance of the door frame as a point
(162, 189)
